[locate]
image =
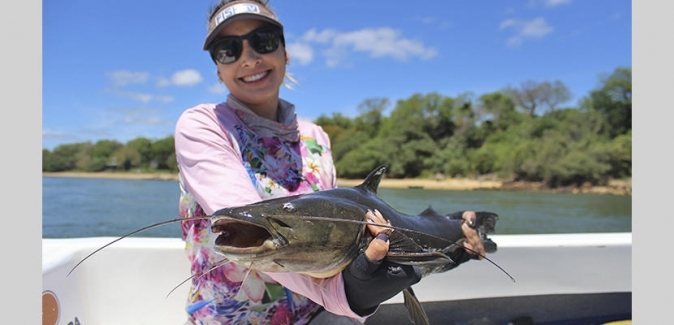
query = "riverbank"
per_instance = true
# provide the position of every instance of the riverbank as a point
(614, 187)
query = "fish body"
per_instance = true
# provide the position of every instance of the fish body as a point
(320, 233)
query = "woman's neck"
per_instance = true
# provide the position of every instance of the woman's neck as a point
(268, 110)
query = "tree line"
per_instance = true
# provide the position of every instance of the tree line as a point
(514, 134)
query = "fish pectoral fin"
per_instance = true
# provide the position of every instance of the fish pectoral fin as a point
(403, 250)
(419, 258)
(414, 309)
(400, 242)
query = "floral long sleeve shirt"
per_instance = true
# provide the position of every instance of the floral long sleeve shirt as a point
(228, 156)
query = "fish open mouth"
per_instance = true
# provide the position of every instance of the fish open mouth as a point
(236, 236)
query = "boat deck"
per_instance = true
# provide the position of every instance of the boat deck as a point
(557, 278)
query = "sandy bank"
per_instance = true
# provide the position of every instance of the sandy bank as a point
(458, 184)
(115, 175)
(446, 184)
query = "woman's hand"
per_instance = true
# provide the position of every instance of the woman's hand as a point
(378, 247)
(473, 242)
(370, 280)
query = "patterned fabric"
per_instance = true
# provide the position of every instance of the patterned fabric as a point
(230, 293)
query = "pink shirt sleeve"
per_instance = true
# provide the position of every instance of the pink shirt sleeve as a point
(210, 163)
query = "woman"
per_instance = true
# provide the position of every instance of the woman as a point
(252, 148)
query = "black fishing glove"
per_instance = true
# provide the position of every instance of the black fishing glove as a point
(367, 284)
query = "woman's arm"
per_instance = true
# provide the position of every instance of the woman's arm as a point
(210, 164)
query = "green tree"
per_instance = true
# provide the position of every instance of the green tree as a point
(163, 150)
(101, 155)
(143, 147)
(371, 115)
(126, 158)
(498, 110)
(63, 158)
(613, 99)
(412, 134)
(533, 96)
(359, 162)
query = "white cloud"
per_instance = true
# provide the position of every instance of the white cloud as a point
(146, 120)
(536, 28)
(383, 42)
(138, 116)
(121, 80)
(554, 3)
(548, 3)
(187, 77)
(50, 134)
(144, 98)
(141, 97)
(301, 53)
(322, 37)
(380, 42)
(217, 88)
(616, 16)
(124, 77)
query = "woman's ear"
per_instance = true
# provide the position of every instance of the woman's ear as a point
(217, 71)
(287, 57)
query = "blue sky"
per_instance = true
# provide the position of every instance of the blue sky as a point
(123, 69)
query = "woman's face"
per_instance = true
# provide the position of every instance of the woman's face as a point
(254, 79)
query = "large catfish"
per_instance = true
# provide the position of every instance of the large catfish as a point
(320, 233)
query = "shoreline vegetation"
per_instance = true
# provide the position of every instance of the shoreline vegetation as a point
(614, 187)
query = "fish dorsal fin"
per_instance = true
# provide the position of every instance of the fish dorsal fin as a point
(415, 310)
(429, 212)
(371, 182)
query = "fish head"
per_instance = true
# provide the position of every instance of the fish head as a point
(316, 234)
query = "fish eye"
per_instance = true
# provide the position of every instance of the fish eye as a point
(289, 207)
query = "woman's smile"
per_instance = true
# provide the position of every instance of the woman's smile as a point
(255, 77)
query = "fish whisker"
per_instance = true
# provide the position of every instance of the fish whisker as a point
(133, 233)
(213, 267)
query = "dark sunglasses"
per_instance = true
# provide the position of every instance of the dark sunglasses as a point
(263, 40)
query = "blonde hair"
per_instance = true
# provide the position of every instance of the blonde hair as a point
(289, 81)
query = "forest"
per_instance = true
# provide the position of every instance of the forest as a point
(523, 133)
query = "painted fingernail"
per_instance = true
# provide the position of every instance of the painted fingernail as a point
(382, 236)
(471, 222)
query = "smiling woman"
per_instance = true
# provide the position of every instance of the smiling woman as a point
(251, 148)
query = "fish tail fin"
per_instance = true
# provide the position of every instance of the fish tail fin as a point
(486, 224)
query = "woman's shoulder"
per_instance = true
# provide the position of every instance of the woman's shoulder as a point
(200, 110)
(313, 130)
(205, 113)
(308, 125)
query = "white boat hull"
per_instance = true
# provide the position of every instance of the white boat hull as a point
(128, 282)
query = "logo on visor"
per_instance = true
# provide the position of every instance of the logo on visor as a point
(236, 10)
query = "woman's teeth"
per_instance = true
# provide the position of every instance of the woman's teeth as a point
(255, 77)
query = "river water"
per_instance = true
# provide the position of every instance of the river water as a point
(87, 207)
